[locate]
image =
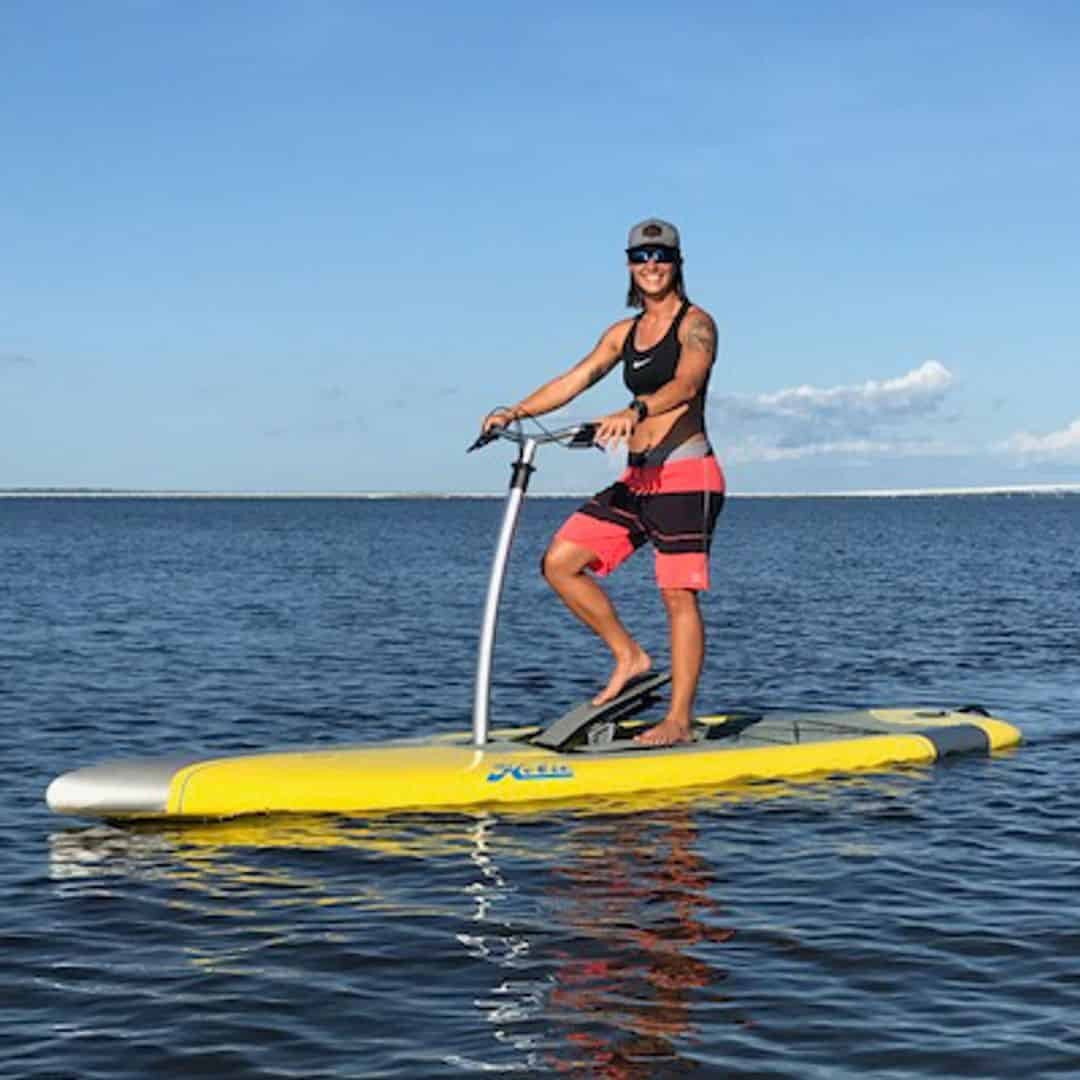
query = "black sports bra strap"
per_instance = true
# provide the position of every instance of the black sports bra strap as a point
(672, 330)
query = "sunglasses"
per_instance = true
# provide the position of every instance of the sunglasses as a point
(652, 254)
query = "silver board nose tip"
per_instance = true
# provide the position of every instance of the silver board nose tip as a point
(128, 788)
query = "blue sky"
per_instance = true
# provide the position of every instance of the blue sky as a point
(274, 246)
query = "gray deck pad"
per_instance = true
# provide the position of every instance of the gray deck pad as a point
(789, 728)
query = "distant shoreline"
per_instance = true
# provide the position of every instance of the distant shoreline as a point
(870, 493)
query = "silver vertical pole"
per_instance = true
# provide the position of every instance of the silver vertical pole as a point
(518, 483)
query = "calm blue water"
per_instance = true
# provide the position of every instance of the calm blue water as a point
(920, 923)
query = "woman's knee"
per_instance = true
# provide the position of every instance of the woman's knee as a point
(550, 563)
(563, 559)
(682, 602)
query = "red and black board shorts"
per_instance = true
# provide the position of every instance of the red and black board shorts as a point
(674, 506)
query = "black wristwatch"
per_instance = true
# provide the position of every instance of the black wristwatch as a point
(640, 408)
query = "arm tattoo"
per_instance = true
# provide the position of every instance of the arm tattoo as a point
(701, 334)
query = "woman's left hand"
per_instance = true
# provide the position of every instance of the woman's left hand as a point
(616, 427)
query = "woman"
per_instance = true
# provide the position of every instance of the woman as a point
(673, 487)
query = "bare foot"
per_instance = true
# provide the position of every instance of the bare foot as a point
(669, 732)
(626, 668)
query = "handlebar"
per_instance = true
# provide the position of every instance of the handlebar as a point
(575, 437)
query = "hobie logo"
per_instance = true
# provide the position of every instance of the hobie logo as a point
(530, 772)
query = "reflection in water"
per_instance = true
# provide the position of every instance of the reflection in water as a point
(639, 902)
(586, 941)
(514, 1005)
(102, 851)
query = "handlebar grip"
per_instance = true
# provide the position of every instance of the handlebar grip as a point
(484, 438)
(584, 437)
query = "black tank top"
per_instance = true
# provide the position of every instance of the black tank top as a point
(645, 372)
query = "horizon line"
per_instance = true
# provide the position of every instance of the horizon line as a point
(30, 492)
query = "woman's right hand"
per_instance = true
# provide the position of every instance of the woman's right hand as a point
(497, 418)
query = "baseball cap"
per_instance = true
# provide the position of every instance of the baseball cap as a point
(653, 231)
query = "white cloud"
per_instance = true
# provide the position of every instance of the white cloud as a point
(1058, 445)
(847, 420)
(756, 450)
(914, 392)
